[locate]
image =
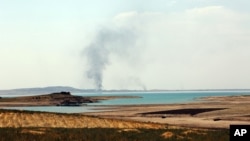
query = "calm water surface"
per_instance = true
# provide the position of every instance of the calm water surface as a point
(145, 98)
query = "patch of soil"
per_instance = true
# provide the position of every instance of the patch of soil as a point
(185, 111)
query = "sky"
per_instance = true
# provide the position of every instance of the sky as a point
(125, 44)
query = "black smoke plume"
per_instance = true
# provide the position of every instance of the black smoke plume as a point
(107, 41)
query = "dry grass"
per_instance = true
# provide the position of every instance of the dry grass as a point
(167, 134)
(39, 119)
(35, 132)
(193, 131)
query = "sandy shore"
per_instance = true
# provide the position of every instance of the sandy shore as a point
(210, 112)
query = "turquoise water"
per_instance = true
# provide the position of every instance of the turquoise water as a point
(162, 97)
(168, 97)
(58, 109)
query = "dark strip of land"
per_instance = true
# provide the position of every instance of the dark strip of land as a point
(185, 111)
(55, 99)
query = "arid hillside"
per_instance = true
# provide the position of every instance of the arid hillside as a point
(12, 118)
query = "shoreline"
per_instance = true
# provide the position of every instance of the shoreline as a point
(211, 112)
(55, 99)
(216, 112)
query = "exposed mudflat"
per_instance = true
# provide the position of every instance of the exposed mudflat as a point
(210, 112)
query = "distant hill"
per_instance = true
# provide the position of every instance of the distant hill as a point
(53, 89)
(43, 90)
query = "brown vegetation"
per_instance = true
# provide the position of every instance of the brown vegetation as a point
(109, 134)
(12, 118)
(167, 134)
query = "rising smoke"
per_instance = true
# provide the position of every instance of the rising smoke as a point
(107, 41)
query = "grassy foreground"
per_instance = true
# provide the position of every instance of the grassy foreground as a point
(16, 119)
(43, 126)
(111, 134)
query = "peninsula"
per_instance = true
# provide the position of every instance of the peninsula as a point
(54, 99)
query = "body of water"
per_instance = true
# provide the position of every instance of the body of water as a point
(168, 97)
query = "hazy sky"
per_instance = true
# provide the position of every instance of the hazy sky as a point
(177, 44)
